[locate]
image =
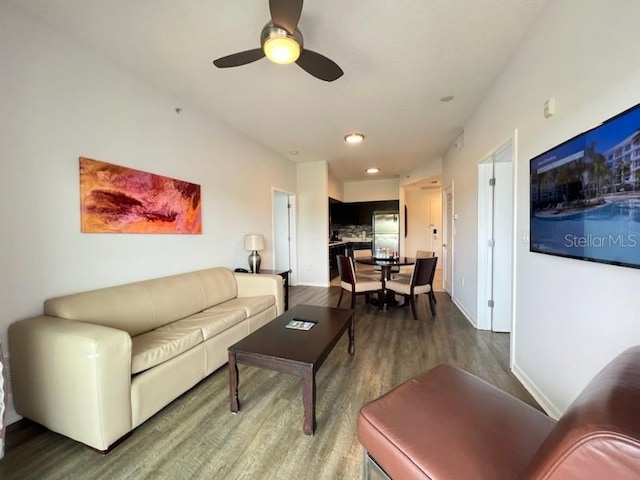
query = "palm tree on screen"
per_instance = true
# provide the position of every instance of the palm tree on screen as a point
(598, 165)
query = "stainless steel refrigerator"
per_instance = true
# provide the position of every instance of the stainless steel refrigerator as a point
(386, 231)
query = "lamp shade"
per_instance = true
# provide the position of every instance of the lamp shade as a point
(253, 241)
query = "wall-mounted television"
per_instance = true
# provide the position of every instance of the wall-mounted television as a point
(585, 194)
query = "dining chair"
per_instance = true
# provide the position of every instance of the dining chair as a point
(408, 271)
(361, 268)
(421, 281)
(362, 253)
(354, 283)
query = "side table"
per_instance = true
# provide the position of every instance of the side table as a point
(285, 275)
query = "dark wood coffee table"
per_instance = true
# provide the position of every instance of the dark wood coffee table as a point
(299, 352)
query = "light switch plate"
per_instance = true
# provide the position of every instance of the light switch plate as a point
(550, 107)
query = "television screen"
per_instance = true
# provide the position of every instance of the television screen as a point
(585, 195)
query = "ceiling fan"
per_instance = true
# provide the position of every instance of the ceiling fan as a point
(282, 42)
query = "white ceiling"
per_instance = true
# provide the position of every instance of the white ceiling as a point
(399, 58)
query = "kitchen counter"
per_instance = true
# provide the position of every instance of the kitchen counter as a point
(345, 240)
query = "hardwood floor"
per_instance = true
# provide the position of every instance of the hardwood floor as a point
(197, 437)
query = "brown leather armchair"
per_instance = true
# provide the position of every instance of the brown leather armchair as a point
(449, 424)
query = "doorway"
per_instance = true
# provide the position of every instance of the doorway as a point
(423, 218)
(495, 240)
(283, 207)
(447, 244)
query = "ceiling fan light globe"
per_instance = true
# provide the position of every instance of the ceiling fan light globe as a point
(281, 49)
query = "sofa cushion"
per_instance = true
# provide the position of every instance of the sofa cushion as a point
(218, 285)
(208, 323)
(159, 345)
(446, 423)
(250, 305)
(143, 306)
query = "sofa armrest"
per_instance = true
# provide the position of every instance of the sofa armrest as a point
(72, 377)
(251, 285)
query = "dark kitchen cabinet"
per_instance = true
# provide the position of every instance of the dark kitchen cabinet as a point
(342, 213)
(351, 246)
(359, 245)
(358, 213)
(334, 251)
(337, 214)
(334, 211)
(365, 210)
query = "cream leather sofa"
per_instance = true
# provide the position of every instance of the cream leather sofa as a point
(99, 363)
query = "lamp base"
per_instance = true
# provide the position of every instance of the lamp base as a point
(254, 262)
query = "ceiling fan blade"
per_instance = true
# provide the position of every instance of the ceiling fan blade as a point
(240, 58)
(319, 66)
(286, 13)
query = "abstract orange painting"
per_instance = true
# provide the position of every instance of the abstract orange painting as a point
(116, 199)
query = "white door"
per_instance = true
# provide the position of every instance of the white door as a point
(283, 228)
(447, 244)
(435, 227)
(495, 240)
(503, 243)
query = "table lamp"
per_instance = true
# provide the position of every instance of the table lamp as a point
(252, 243)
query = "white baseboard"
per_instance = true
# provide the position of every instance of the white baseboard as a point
(467, 315)
(313, 284)
(546, 404)
(12, 415)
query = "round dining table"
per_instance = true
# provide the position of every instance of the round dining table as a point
(387, 297)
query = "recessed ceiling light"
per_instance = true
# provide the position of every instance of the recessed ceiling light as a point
(448, 98)
(293, 152)
(354, 137)
(373, 170)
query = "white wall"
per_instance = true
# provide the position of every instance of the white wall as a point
(335, 187)
(430, 169)
(59, 101)
(571, 316)
(371, 190)
(313, 224)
